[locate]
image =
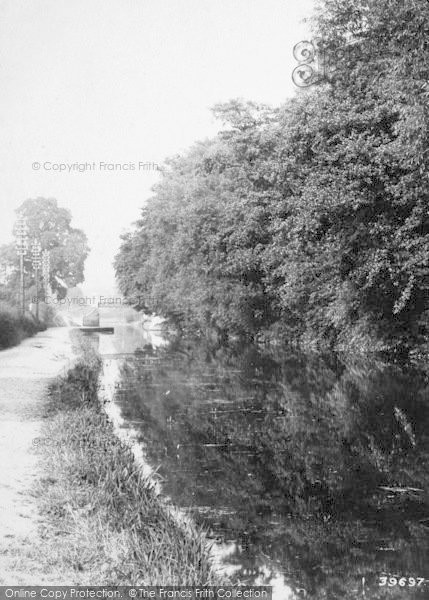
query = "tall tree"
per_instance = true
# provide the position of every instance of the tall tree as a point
(51, 226)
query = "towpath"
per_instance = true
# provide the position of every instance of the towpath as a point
(25, 373)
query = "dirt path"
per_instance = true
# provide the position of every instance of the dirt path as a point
(25, 373)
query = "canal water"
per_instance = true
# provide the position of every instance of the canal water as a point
(311, 474)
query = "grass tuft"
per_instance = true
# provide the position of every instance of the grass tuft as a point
(105, 522)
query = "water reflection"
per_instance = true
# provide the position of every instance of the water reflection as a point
(309, 472)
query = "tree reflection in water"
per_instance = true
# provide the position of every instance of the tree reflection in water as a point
(317, 470)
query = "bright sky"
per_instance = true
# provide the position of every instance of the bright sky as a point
(125, 81)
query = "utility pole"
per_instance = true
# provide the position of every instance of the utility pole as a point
(46, 271)
(35, 251)
(21, 233)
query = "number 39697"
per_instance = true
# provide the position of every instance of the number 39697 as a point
(401, 581)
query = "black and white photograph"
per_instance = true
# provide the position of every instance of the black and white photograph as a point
(214, 299)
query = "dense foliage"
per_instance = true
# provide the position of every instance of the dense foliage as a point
(51, 226)
(310, 219)
(14, 326)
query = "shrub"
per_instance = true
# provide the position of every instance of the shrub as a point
(14, 327)
(9, 330)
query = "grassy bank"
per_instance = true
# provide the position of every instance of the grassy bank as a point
(14, 326)
(104, 521)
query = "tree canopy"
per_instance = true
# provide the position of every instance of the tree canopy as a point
(309, 219)
(50, 224)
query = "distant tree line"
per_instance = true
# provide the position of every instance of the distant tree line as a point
(309, 221)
